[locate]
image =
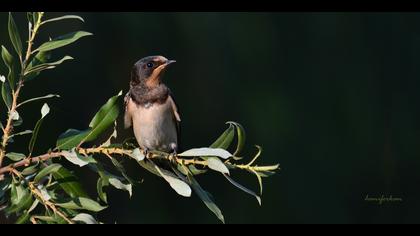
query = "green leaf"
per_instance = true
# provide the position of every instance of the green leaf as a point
(196, 171)
(21, 198)
(4, 186)
(216, 164)
(62, 41)
(69, 183)
(8, 61)
(46, 171)
(241, 137)
(243, 188)
(6, 94)
(40, 58)
(44, 111)
(15, 156)
(105, 117)
(199, 152)
(71, 138)
(14, 35)
(225, 139)
(34, 205)
(21, 133)
(77, 159)
(63, 18)
(39, 98)
(177, 184)
(30, 170)
(45, 66)
(24, 218)
(99, 187)
(120, 185)
(205, 198)
(82, 203)
(85, 218)
(149, 166)
(137, 155)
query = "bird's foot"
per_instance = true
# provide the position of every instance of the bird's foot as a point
(146, 152)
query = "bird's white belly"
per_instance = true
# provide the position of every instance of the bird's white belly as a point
(155, 127)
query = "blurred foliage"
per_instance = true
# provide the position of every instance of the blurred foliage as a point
(37, 189)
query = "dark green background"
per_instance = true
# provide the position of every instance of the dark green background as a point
(332, 97)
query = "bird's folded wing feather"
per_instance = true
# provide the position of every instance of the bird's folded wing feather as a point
(127, 115)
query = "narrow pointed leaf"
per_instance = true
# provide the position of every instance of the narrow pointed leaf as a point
(243, 188)
(9, 62)
(63, 18)
(241, 137)
(62, 41)
(46, 171)
(225, 139)
(205, 198)
(177, 184)
(15, 156)
(44, 111)
(69, 183)
(216, 164)
(120, 185)
(14, 35)
(85, 218)
(198, 152)
(82, 203)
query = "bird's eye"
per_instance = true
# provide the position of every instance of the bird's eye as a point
(150, 65)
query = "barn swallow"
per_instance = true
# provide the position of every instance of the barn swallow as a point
(150, 106)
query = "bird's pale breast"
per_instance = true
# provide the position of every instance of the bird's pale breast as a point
(154, 126)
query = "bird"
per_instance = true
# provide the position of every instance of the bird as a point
(150, 106)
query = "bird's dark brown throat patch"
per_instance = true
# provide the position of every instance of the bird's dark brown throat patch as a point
(142, 94)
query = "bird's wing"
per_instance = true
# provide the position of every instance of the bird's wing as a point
(127, 115)
(177, 117)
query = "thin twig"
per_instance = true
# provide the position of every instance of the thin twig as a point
(45, 202)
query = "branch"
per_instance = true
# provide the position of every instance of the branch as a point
(122, 152)
(45, 202)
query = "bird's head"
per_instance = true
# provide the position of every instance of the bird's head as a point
(149, 70)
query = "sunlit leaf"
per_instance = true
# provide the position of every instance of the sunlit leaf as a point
(82, 203)
(46, 171)
(39, 98)
(120, 185)
(62, 41)
(77, 159)
(63, 18)
(177, 184)
(216, 164)
(137, 155)
(21, 133)
(85, 218)
(198, 152)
